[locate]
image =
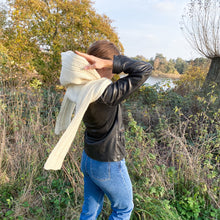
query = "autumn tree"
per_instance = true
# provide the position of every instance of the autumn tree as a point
(161, 65)
(141, 58)
(192, 79)
(170, 67)
(39, 30)
(159, 62)
(4, 58)
(202, 62)
(180, 65)
(201, 25)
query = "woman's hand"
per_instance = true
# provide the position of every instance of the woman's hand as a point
(95, 62)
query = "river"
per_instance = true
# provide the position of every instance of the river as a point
(165, 83)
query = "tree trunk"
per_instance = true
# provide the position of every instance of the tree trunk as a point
(213, 75)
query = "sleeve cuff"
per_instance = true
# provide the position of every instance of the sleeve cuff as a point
(117, 67)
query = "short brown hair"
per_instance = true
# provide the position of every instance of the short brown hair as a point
(103, 49)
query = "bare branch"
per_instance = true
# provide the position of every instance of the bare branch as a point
(201, 25)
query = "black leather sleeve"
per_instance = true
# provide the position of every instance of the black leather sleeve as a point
(138, 72)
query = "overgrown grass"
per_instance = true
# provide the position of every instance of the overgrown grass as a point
(173, 146)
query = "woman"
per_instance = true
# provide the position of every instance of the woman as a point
(103, 160)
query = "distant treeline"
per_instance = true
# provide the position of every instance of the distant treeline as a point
(174, 66)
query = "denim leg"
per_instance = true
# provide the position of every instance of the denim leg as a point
(93, 200)
(114, 180)
(93, 195)
(121, 196)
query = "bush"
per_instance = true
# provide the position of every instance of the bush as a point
(175, 157)
(192, 79)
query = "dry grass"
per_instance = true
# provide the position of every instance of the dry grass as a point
(161, 159)
(27, 131)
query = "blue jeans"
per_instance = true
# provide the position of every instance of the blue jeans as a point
(110, 178)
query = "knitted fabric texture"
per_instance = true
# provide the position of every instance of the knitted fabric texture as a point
(83, 88)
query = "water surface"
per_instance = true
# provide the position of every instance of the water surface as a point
(165, 83)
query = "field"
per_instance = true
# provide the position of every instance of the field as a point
(173, 146)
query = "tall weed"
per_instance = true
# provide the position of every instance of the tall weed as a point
(174, 153)
(27, 128)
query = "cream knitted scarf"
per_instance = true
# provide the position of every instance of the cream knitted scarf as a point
(83, 88)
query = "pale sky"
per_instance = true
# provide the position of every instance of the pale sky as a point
(147, 27)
